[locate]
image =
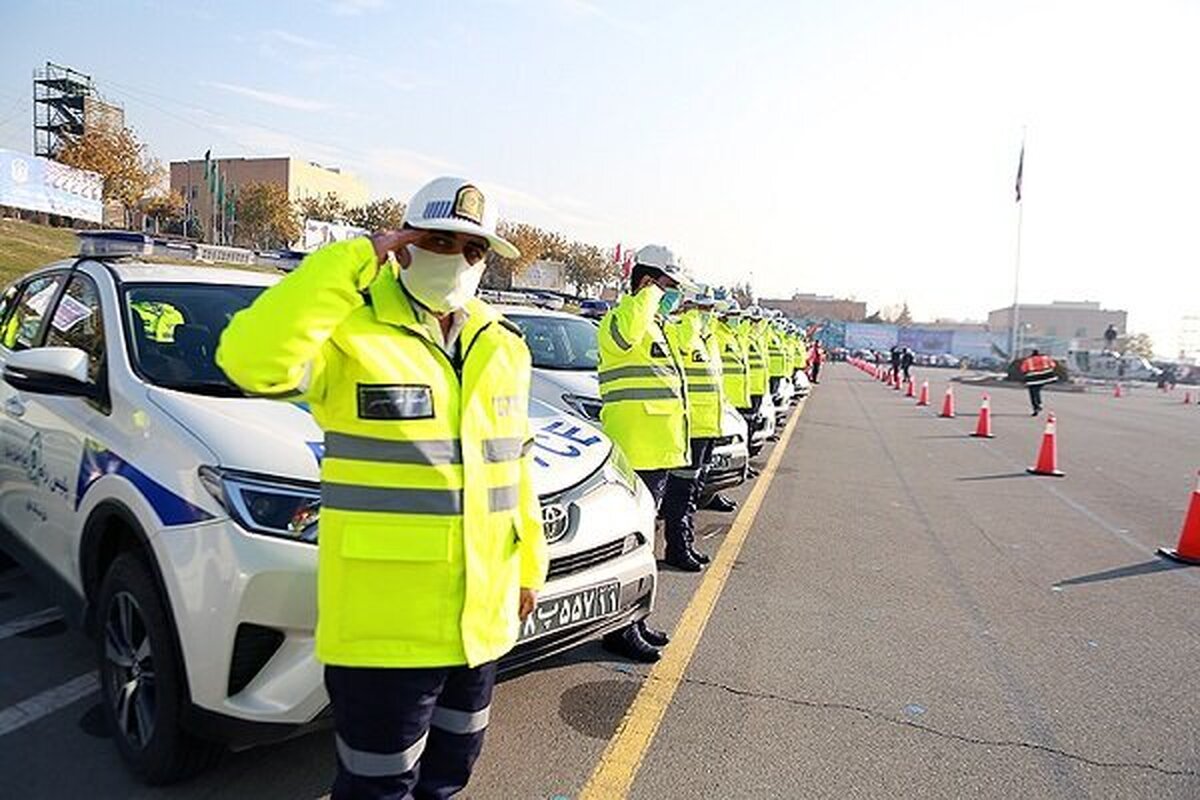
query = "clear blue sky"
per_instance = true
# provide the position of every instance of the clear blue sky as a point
(863, 148)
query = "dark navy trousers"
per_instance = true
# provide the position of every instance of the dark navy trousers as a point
(407, 734)
(682, 497)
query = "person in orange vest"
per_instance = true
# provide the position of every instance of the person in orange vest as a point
(1038, 371)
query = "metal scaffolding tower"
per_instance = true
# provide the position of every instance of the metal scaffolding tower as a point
(65, 103)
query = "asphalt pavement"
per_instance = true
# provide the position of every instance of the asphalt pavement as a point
(910, 615)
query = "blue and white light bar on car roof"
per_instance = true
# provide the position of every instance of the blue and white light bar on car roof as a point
(114, 244)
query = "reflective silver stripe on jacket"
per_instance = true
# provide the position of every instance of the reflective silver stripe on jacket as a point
(697, 372)
(617, 338)
(637, 371)
(503, 449)
(649, 393)
(380, 765)
(397, 500)
(702, 388)
(503, 498)
(429, 452)
(460, 722)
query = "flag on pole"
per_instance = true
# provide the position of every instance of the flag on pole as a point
(1020, 171)
(207, 163)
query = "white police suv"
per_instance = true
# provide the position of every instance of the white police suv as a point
(176, 519)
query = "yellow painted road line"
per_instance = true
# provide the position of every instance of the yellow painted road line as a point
(614, 775)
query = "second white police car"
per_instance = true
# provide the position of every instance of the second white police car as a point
(177, 520)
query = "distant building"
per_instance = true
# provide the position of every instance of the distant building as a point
(812, 306)
(300, 178)
(1075, 324)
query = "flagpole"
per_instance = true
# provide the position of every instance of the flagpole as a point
(1015, 332)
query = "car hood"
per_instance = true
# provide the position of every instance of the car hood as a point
(271, 437)
(268, 437)
(583, 383)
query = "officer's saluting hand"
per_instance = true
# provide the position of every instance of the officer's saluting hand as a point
(431, 548)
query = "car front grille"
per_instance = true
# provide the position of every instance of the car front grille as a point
(586, 559)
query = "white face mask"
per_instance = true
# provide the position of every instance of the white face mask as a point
(441, 283)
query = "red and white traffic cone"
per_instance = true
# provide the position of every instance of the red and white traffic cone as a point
(896, 383)
(948, 403)
(983, 429)
(923, 400)
(1188, 549)
(911, 390)
(1047, 461)
(1117, 392)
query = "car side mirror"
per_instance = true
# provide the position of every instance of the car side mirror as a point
(50, 370)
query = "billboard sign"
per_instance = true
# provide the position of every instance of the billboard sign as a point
(39, 184)
(868, 336)
(924, 340)
(318, 234)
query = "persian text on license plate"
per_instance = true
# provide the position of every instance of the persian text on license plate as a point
(568, 610)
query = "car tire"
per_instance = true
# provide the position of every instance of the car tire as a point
(141, 680)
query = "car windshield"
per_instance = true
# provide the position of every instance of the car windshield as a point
(559, 342)
(174, 330)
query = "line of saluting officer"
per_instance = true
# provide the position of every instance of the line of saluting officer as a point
(672, 355)
(431, 546)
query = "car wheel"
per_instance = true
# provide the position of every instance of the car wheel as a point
(141, 680)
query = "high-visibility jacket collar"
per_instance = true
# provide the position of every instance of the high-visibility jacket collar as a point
(395, 306)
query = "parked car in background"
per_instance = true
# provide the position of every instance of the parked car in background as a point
(592, 308)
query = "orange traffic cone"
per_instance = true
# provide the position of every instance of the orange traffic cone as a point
(1188, 549)
(923, 400)
(896, 383)
(911, 390)
(1117, 392)
(948, 403)
(1047, 462)
(983, 430)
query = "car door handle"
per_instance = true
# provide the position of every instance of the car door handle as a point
(14, 407)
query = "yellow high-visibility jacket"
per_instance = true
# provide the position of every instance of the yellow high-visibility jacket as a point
(735, 364)
(751, 337)
(430, 523)
(702, 375)
(644, 408)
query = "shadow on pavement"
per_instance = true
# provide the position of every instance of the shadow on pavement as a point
(1145, 568)
(1001, 476)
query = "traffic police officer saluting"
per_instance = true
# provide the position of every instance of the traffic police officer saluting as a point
(644, 408)
(431, 544)
(692, 343)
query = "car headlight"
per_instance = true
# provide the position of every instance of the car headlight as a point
(586, 407)
(274, 507)
(618, 469)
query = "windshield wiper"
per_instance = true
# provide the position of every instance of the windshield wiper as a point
(210, 388)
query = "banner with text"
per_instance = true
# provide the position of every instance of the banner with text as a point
(39, 184)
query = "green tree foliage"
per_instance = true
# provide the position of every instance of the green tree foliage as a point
(266, 218)
(123, 161)
(378, 215)
(1137, 344)
(326, 208)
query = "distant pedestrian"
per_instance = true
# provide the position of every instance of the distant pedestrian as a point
(1110, 338)
(815, 358)
(1038, 371)
(906, 361)
(896, 354)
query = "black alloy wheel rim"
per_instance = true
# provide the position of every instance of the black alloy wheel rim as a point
(132, 686)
